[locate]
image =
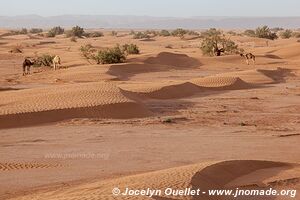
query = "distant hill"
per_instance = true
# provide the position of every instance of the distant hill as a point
(131, 22)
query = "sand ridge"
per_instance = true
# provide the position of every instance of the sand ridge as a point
(54, 103)
(26, 166)
(225, 81)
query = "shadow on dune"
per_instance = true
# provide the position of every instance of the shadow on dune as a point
(217, 176)
(162, 62)
(8, 89)
(278, 75)
(172, 59)
(272, 56)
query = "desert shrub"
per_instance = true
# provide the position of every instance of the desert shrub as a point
(164, 33)
(130, 49)
(250, 33)
(214, 40)
(232, 33)
(286, 34)
(50, 34)
(73, 39)
(93, 34)
(36, 30)
(265, 32)
(190, 32)
(87, 51)
(44, 60)
(132, 32)
(76, 31)
(152, 33)
(55, 31)
(110, 56)
(23, 31)
(296, 34)
(179, 32)
(141, 35)
(114, 33)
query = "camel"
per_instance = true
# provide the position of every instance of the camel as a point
(248, 56)
(27, 65)
(56, 62)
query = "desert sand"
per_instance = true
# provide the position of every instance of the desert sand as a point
(168, 117)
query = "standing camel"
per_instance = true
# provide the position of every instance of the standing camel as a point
(248, 56)
(26, 66)
(56, 62)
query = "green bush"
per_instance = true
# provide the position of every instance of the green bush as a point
(44, 60)
(114, 33)
(87, 51)
(110, 56)
(93, 34)
(164, 33)
(152, 33)
(36, 30)
(76, 32)
(250, 33)
(262, 32)
(214, 41)
(232, 33)
(50, 34)
(179, 32)
(265, 32)
(296, 34)
(55, 31)
(132, 32)
(190, 32)
(130, 49)
(141, 35)
(24, 31)
(286, 34)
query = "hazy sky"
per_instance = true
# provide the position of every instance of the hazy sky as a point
(173, 8)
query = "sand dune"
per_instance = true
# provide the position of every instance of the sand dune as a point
(260, 76)
(164, 61)
(50, 104)
(172, 59)
(163, 90)
(221, 83)
(225, 81)
(181, 89)
(289, 52)
(211, 175)
(186, 89)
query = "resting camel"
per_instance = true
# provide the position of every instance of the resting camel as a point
(26, 66)
(56, 62)
(248, 56)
